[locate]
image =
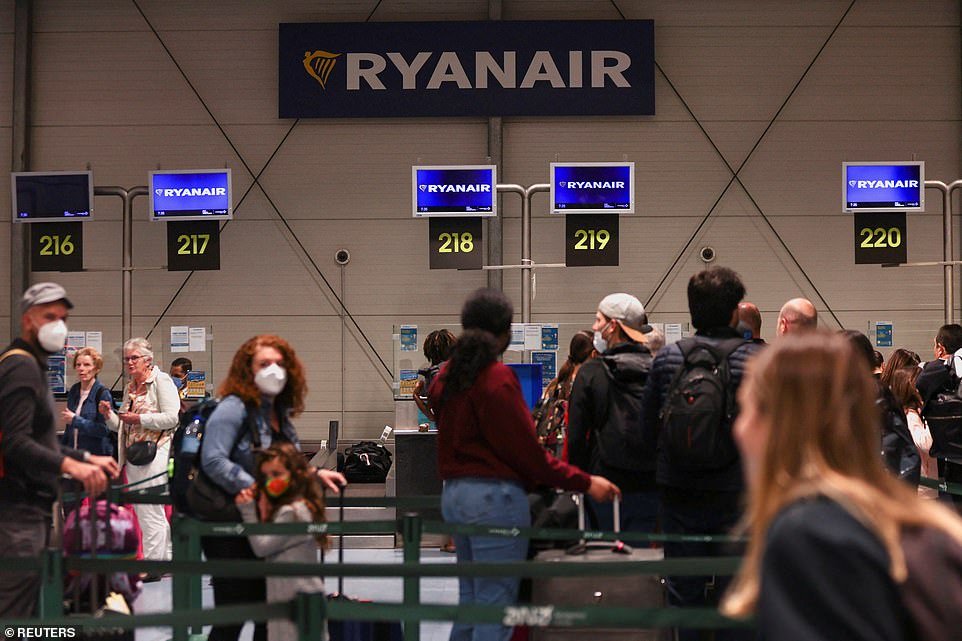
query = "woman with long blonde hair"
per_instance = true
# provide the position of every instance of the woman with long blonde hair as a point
(839, 548)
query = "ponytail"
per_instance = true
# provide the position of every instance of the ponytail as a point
(475, 349)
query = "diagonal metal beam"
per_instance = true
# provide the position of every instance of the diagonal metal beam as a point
(735, 172)
(256, 181)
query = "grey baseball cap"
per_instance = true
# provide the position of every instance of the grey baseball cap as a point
(43, 293)
(629, 312)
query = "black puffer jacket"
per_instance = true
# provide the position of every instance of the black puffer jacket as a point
(668, 361)
(604, 411)
(898, 448)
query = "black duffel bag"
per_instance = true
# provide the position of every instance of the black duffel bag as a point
(367, 462)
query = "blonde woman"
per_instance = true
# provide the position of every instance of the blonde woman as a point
(840, 549)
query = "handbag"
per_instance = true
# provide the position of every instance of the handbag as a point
(141, 452)
(208, 501)
(367, 462)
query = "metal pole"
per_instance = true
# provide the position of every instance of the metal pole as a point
(126, 296)
(495, 225)
(527, 286)
(521, 191)
(20, 161)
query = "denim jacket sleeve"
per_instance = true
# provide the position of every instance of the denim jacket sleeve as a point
(88, 419)
(220, 434)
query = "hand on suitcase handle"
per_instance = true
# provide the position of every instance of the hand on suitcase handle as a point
(601, 489)
(93, 478)
(106, 463)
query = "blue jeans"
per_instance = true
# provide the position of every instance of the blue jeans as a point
(480, 501)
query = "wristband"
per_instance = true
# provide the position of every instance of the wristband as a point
(86, 456)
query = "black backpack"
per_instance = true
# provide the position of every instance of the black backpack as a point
(700, 408)
(192, 491)
(943, 414)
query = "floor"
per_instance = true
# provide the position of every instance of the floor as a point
(156, 596)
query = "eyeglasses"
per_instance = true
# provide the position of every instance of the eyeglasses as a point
(132, 359)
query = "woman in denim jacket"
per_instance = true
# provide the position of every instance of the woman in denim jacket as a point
(265, 377)
(86, 427)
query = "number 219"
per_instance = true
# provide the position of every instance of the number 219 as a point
(592, 239)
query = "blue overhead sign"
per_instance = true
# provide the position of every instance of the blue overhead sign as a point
(881, 187)
(494, 68)
(592, 188)
(468, 190)
(190, 194)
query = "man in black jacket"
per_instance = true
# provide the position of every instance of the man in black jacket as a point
(702, 501)
(936, 377)
(31, 459)
(604, 437)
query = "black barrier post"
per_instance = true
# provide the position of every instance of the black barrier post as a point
(310, 615)
(51, 584)
(411, 531)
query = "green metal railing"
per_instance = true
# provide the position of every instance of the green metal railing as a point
(308, 611)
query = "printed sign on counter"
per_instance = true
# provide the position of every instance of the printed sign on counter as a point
(549, 365)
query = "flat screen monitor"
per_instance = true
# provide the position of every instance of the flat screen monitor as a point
(529, 375)
(883, 186)
(593, 188)
(190, 194)
(457, 190)
(52, 196)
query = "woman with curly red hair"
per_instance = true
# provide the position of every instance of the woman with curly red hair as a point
(264, 389)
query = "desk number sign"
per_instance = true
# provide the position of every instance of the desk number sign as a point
(455, 243)
(193, 245)
(880, 238)
(591, 240)
(57, 247)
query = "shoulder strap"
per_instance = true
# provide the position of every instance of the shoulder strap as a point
(250, 422)
(16, 351)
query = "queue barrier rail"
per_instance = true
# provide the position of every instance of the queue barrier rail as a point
(309, 611)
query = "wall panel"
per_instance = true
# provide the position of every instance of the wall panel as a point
(112, 91)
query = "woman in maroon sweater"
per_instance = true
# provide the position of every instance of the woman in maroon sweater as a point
(489, 456)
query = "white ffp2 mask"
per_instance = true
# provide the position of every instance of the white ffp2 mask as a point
(53, 336)
(271, 379)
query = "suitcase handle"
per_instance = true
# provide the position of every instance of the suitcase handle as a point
(582, 546)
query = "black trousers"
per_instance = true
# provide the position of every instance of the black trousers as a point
(234, 590)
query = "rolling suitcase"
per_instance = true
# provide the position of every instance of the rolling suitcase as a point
(635, 591)
(96, 528)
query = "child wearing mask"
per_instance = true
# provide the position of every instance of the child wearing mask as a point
(286, 491)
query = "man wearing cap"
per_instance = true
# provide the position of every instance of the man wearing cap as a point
(700, 500)
(31, 459)
(604, 433)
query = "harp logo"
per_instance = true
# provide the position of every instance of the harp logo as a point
(319, 65)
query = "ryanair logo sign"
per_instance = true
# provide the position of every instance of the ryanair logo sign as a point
(319, 65)
(466, 69)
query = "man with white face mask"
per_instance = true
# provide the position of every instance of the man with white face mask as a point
(604, 435)
(31, 459)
